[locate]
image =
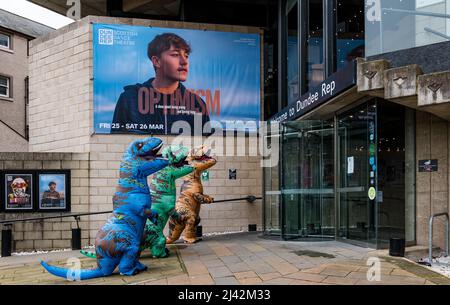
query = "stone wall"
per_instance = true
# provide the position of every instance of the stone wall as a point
(60, 111)
(52, 233)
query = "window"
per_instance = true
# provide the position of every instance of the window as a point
(5, 41)
(4, 86)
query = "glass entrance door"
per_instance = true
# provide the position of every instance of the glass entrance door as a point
(357, 174)
(307, 170)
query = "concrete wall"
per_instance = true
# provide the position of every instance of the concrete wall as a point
(52, 233)
(432, 189)
(12, 110)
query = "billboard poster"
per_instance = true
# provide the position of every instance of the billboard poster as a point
(153, 80)
(18, 191)
(52, 190)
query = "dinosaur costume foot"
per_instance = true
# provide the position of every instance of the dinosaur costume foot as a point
(190, 240)
(88, 254)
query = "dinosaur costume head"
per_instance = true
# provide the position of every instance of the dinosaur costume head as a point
(200, 158)
(140, 152)
(176, 154)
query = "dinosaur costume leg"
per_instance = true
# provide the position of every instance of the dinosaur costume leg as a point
(154, 238)
(190, 235)
(129, 264)
(175, 229)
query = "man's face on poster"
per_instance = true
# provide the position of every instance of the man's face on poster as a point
(52, 187)
(173, 64)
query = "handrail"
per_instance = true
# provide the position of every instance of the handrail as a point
(430, 235)
(418, 13)
(249, 199)
(11, 221)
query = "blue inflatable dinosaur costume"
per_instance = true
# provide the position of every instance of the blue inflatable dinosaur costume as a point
(118, 241)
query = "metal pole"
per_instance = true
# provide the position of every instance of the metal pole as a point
(430, 240)
(430, 235)
(6, 240)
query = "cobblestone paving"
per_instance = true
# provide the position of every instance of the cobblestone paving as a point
(245, 259)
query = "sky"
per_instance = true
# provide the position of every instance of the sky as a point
(35, 12)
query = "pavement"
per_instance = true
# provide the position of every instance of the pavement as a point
(240, 259)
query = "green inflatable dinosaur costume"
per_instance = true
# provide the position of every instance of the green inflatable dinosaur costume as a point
(163, 190)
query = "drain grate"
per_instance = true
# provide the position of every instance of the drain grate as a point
(313, 254)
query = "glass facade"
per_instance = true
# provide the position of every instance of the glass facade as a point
(349, 173)
(307, 184)
(292, 50)
(349, 31)
(320, 37)
(350, 177)
(393, 25)
(315, 44)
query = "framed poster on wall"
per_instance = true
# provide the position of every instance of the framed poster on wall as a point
(18, 191)
(25, 191)
(54, 191)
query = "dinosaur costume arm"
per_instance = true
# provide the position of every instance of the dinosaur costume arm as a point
(182, 171)
(153, 166)
(202, 198)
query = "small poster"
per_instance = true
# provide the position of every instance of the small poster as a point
(350, 165)
(19, 191)
(232, 174)
(205, 175)
(428, 166)
(52, 191)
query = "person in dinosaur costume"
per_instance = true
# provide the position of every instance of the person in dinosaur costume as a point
(191, 197)
(118, 242)
(163, 190)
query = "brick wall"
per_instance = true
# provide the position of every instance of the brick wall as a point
(52, 233)
(60, 111)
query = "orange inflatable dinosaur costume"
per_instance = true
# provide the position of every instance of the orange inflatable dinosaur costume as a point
(191, 197)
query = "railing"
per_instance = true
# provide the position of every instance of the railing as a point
(76, 233)
(415, 13)
(430, 235)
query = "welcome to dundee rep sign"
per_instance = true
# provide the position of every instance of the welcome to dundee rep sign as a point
(329, 88)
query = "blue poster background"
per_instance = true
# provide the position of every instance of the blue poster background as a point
(225, 61)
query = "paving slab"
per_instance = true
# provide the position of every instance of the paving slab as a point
(238, 259)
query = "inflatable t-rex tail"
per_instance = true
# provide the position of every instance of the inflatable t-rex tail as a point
(83, 274)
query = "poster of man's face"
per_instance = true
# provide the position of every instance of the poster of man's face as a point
(19, 191)
(175, 80)
(52, 189)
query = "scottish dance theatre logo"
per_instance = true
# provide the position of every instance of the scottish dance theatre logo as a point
(105, 37)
